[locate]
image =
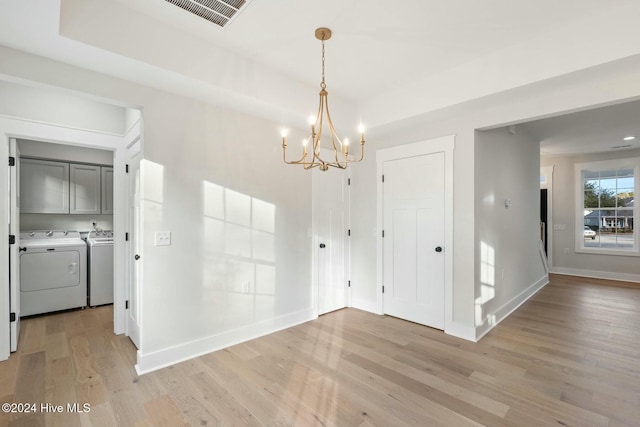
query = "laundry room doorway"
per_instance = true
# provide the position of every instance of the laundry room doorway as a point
(55, 135)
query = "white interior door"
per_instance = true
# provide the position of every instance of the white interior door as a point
(413, 243)
(14, 230)
(331, 221)
(133, 253)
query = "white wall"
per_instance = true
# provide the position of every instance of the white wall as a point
(508, 264)
(597, 86)
(239, 264)
(604, 266)
(52, 105)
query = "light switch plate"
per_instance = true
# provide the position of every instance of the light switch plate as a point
(163, 238)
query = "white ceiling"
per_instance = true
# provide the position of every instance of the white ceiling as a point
(386, 61)
(376, 45)
(591, 131)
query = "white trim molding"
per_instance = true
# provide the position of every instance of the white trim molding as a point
(366, 305)
(607, 275)
(493, 319)
(547, 172)
(149, 362)
(461, 330)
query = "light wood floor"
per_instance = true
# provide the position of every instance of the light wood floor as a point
(568, 357)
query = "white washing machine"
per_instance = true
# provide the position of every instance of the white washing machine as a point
(100, 244)
(53, 271)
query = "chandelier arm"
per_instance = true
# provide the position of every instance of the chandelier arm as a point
(361, 150)
(300, 161)
(334, 137)
(292, 162)
(331, 128)
(361, 153)
(320, 125)
(335, 150)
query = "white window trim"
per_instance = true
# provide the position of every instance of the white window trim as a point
(628, 163)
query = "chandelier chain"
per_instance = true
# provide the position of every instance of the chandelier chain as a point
(323, 85)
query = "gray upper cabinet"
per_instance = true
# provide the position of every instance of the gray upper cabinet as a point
(84, 189)
(107, 190)
(44, 186)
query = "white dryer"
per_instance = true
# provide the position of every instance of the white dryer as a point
(53, 271)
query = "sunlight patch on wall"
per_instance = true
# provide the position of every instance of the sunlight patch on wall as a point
(239, 280)
(489, 200)
(153, 184)
(487, 279)
(152, 190)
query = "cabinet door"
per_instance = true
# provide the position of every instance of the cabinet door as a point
(84, 189)
(107, 190)
(44, 186)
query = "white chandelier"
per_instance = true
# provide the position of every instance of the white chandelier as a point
(341, 156)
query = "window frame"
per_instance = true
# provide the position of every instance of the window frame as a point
(601, 166)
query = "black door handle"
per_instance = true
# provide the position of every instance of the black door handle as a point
(322, 245)
(439, 249)
(22, 249)
(136, 257)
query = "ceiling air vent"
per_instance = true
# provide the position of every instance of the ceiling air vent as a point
(220, 12)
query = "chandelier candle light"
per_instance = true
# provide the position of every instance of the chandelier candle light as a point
(341, 156)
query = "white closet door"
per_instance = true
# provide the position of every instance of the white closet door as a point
(414, 263)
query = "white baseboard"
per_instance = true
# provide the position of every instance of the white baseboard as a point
(149, 362)
(609, 275)
(509, 307)
(366, 305)
(455, 329)
(460, 330)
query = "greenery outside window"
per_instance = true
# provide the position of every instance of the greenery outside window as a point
(607, 213)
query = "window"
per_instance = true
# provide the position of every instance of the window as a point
(606, 214)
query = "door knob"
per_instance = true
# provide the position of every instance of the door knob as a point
(439, 249)
(136, 257)
(322, 245)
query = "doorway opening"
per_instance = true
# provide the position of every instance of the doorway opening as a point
(116, 146)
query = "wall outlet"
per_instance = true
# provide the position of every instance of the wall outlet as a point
(566, 250)
(163, 238)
